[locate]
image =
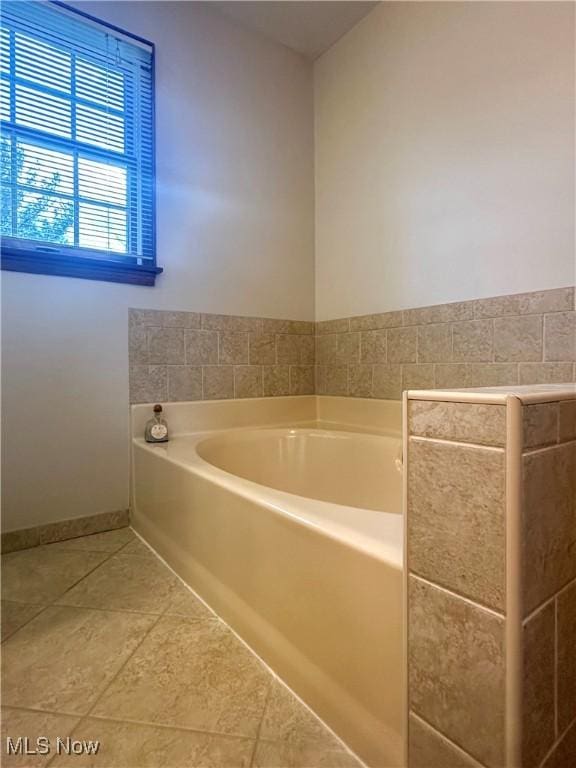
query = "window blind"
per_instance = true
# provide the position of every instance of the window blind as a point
(77, 144)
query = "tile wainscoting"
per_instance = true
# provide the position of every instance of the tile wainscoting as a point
(179, 356)
(527, 338)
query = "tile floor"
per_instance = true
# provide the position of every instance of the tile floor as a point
(101, 641)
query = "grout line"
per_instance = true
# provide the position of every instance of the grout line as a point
(457, 595)
(259, 729)
(548, 600)
(445, 737)
(557, 742)
(460, 444)
(556, 702)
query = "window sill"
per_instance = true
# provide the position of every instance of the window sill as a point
(17, 260)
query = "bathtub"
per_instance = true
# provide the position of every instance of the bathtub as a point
(293, 535)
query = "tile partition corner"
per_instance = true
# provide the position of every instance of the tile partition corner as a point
(537, 700)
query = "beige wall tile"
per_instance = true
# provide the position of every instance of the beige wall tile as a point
(302, 380)
(456, 518)
(332, 379)
(563, 754)
(491, 374)
(218, 382)
(288, 326)
(567, 420)
(148, 383)
(262, 348)
(441, 313)
(460, 422)
(417, 376)
(538, 687)
(276, 380)
(518, 339)
(536, 302)
(295, 349)
(232, 348)
(184, 382)
(560, 336)
(540, 424)
(545, 373)
(166, 345)
(248, 381)
(373, 346)
(360, 380)
(548, 522)
(163, 318)
(402, 345)
(451, 375)
(427, 748)
(231, 323)
(333, 326)
(387, 382)
(473, 340)
(456, 670)
(347, 348)
(201, 347)
(326, 349)
(566, 657)
(435, 343)
(372, 322)
(137, 345)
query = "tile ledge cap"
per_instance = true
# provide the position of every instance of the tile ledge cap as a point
(526, 393)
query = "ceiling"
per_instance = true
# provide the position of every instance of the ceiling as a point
(309, 28)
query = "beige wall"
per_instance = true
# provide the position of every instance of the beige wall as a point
(445, 156)
(235, 235)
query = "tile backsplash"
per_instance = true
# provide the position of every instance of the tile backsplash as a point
(527, 338)
(191, 356)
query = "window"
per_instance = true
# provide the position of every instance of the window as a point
(77, 146)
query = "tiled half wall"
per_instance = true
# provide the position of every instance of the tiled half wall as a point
(177, 356)
(518, 339)
(491, 582)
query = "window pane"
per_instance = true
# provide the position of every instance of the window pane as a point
(47, 169)
(103, 182)
(6, 163)
(94, 126)
(42, 63)
(102, 228)
(45, 217)
(4, 99)
(42, 111)
(5, 50)
(99, 84)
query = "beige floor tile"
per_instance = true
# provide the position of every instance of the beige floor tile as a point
(107, 541)
(15, 615)
(191, 674)
(287, 719)
(137, 547)
(32, 725)
(127, 745)
(271, 754)
(187, 606)
(65, 657)
(40, 575)
(125, 583)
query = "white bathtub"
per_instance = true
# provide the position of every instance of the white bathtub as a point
(294, 537)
